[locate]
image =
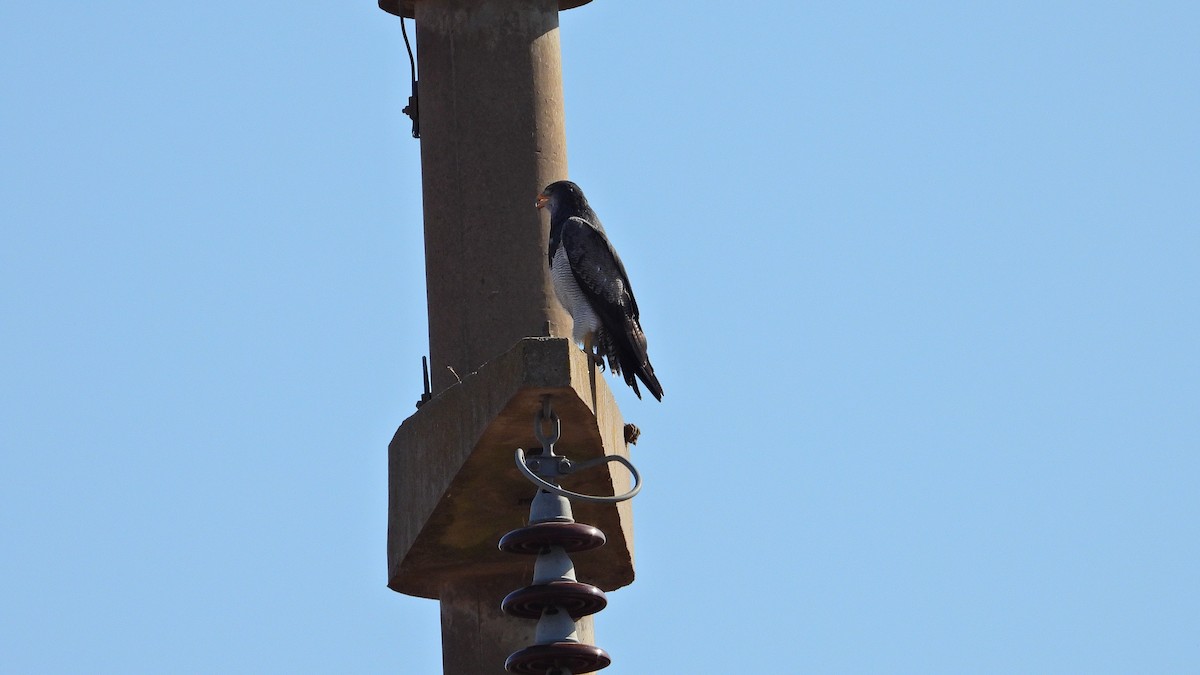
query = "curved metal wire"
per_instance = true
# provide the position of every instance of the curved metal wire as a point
(412, 63)
(594, 499)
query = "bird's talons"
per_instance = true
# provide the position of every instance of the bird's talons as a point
(592, 350)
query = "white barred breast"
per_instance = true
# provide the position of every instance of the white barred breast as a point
(571, 296)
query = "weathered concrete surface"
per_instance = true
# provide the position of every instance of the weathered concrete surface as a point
(492, 137)
(454, 488)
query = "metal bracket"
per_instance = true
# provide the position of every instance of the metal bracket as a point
(551, 466)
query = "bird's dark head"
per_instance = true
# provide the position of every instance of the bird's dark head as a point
(562, 196)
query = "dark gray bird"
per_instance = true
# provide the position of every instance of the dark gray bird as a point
(591, 283)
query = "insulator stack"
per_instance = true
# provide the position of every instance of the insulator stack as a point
(556, 598)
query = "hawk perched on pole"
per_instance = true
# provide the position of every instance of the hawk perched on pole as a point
(591, 283)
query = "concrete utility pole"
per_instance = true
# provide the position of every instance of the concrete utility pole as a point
(492, 136)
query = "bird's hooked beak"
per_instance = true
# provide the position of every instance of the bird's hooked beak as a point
(542, 200)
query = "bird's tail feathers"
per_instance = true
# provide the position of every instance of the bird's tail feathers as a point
(626, 356)
(638, 361)
(646, 373)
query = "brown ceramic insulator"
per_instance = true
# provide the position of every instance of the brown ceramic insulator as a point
(573, 597)
(572, 656)
(538, 538)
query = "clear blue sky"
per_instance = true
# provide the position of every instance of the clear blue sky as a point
(921, 284)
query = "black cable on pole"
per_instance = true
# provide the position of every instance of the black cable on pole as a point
(413, 108)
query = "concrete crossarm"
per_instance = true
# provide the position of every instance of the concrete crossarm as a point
(454, 489)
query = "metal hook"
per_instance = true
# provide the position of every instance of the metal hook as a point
(553, 469)
(542, 415)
